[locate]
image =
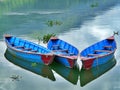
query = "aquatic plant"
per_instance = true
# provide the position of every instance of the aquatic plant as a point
(42, 38)
(94, 5)
(47, 37)
(15, 77)
(115, 32)
(50, 23)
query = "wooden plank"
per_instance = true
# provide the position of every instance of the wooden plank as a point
(33, 50)
(65, 50)
(102, 51)
(27, 48)
(18, 46)
(107, 46)
(55, 46)
(93, 54)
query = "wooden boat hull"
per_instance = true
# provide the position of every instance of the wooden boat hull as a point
(40, 69)
(64, 52)
(98, 53)
(86, 76)
(93, 62)
(68, 62)
(30, 56)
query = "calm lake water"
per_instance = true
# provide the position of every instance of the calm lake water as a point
(81, 23)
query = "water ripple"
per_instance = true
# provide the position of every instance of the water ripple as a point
(33, 12)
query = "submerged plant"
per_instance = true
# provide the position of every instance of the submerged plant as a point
(50, 23)
(94, 5)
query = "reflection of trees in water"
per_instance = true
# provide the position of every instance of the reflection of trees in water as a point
(58, 16)
(8, 5)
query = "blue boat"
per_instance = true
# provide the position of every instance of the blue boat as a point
(86, 76)
(64, 52)
(37, 68)
(98, 53)
(28, 50)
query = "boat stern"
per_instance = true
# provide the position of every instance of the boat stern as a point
(87, 62)
(47, 58)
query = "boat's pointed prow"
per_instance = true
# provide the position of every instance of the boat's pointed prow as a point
(7, 35)
(111, 38)
(53, 38)
(64, 52)
(98, 53)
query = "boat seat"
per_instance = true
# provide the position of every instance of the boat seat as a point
(93, 54)
(55, 47)
(19, 46)
(107, 46)
(102, 51)
(33, 50)
(27, 48)
(71, 54)
(65, 50)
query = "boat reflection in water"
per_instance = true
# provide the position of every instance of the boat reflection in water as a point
(87, 76)
(40, 69)
(70, 74)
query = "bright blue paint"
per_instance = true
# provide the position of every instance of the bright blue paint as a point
(26, 56)
(99, 61)
(24, 53)
(100, 57)
(99, 46)
(57, 44)
(103, 67)
(62, 46)
(62, 60)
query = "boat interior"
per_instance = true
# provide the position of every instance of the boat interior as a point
(100, 48)
(62, 47)
(26, 46)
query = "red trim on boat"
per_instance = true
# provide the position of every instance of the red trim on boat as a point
(53, 38)
(87, 64)
(47, 59)
(71, 62)
(110, 38)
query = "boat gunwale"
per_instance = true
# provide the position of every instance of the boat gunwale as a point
(100, 56)
(68, 57)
